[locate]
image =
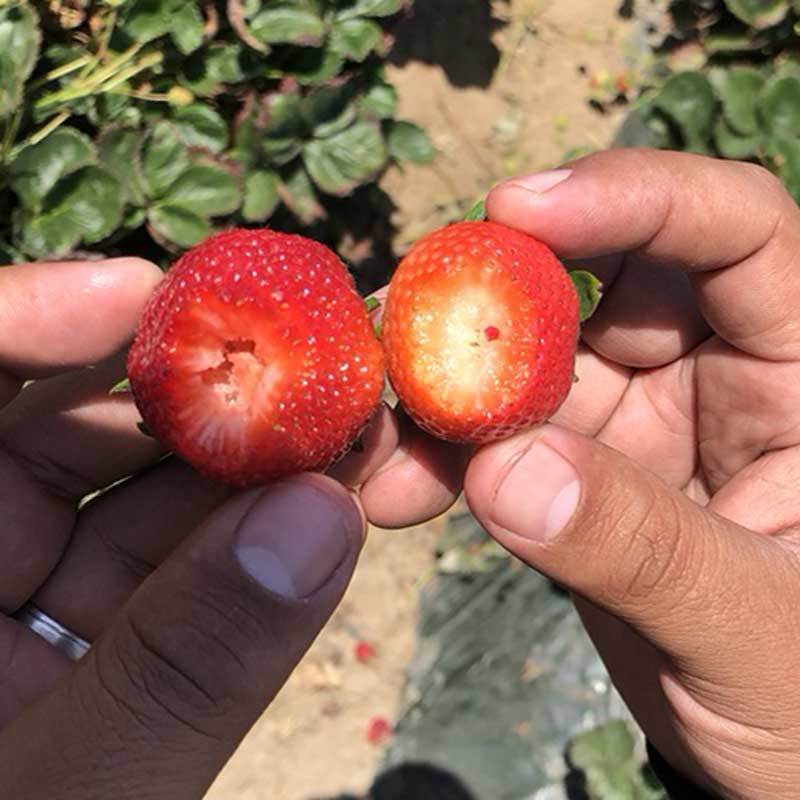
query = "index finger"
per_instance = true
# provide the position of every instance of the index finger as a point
(58, 316)
(732, 226)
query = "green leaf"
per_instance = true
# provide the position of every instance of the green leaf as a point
(371, 304)
(408, 142)
(646, 127)
(355, 39)
(287, 24)
(187, 27)
(260, 195)
(611, 743)
(477, 213)
(785, 155)
(328, 109)
(341, 162)
(732, 144)
(198, 125)
(177, 226)
(379, 101)
(758, 13)
(85, 206)
(205, 190)
(312, 66)
(19, 48)
(688, 99)
(121, 387)
(349, 9)
(590, 292)
(146, 20)
(286, 127)
(120, 153)
(738, 89)
(207, 71)
(731, 41)
(297, 192)
(779, 106)
(165, 158)
(606, 756)
(38, 168)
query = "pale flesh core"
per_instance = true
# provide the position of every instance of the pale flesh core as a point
(468, 368)
(230, 375)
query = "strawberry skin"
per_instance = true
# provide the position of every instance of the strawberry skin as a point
(480, 330)
(255, 358)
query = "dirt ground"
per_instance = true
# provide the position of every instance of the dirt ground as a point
(501, 89)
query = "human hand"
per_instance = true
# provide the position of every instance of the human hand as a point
(200, 603)
(664, 494)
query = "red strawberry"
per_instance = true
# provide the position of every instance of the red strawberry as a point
(255, 357)
(480, 330)
(364, 652)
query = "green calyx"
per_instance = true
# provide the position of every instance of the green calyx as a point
(590, 292)
(121, 387)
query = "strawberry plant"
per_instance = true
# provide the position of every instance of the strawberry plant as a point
(742, 98)
(140, 126)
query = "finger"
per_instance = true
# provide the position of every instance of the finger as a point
(648, 316)
(71, 313)
(60, 439)
(655, 421)
(732, 226)
(682, 577)
(421, 480)
(29, 668)
(196, 656)
(74, 437)
(596, 394)
(374, 448)
(120, 538)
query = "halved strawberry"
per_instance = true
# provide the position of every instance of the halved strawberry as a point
(255, 357)
(480, 330)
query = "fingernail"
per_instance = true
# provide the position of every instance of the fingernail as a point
(296, 535)
(538, 496)
(541, 182)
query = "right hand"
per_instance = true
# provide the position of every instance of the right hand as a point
(665, 495)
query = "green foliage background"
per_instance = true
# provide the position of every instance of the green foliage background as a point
(138, 126)
(743, 100)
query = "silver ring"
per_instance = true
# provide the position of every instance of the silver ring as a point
(69, 643)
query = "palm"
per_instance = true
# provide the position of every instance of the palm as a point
(721, 424)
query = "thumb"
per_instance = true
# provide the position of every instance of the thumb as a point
(683, 577)
(158, 705)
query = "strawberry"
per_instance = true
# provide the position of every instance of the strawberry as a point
(255, 358)
(480, 330)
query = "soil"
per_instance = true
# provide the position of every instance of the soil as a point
(502, 89)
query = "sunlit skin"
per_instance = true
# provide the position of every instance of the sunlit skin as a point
(677, 535)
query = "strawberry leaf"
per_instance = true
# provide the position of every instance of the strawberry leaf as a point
(371, 303)
(38, 168)
(590, 292)
(477, 213)
(408, 142)
(19, 47)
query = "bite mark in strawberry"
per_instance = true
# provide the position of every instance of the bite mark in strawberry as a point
(255, 357)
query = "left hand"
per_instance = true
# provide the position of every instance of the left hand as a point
(200, 601)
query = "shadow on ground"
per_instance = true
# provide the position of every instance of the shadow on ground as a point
(454, 34)
(414, 781)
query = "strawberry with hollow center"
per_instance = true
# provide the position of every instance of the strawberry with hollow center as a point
(480, 330)
(255, 357)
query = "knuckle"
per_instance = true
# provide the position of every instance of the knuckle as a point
(772, 185)
(197, 670)
(655, 560)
